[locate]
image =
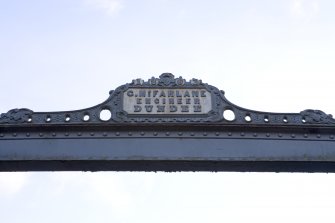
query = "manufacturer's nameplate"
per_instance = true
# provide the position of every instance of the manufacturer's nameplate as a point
(167, 101)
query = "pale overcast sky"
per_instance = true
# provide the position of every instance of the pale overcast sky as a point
(266, 55)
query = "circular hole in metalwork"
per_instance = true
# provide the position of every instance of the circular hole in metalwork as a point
(229, 115)
(30, 119)
(105, 115)
(247, 118)
(67, 118)
(266, 119)
(285, 120)
(48, 118)
(303, 120)
(86, 118)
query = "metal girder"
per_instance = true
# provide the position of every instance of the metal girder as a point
(167, 124)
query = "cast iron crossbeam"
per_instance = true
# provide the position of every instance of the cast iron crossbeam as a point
(167, 124)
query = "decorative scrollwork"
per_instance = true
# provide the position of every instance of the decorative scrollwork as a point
(191, 110)
(137, 81)
(195, 81)
(316, 117)
(16, 116)
(153, 81)
(166, 79)
(180, 81)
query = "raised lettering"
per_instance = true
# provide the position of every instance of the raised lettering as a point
(171, 93)
(162, 94)
(165, 101)
(195, 94)
(184, 108)
(148, 108)
(160, 108)
(148, 101)
(197, 108)
(141, 93)
(137, 108)
(130, 93)
(173, 108)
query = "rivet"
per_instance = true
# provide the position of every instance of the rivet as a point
(79, 133)
(155, 133)
(142, 133)
(280, 135)
(180, 133)
(14, 134)
(66, 134)
(293, 135)
(318, 135)
(229, 133)
(217, 133)
(167, 133)
(28, 134)
(192, 133)
(305, 135)
(53, 134)
(130, 133)
(117, 133)
(255, 134)
(242, 134)
(92, 133)
(104, 134)
(41, 134)
(1, 135)
(331, 136)
(205, 133)
(267, 134)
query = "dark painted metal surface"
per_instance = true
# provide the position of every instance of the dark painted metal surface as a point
(198, 138)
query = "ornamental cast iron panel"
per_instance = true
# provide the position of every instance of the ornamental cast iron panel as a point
(167, 124)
